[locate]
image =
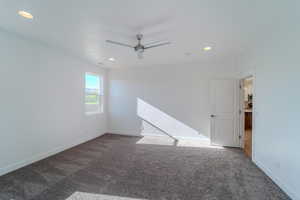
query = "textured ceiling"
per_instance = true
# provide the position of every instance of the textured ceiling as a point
(231, 27)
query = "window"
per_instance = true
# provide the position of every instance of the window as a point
(93, 93)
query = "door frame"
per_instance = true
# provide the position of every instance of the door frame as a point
(241, 117)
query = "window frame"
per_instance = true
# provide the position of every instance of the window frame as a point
(100, 95)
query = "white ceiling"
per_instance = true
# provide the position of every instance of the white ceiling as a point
(231, 27)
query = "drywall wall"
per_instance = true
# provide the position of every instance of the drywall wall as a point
(276, 67)
(41, 102)
(172, 99)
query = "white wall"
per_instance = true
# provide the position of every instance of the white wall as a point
(41, 102)
(174, 98)
(276, 65)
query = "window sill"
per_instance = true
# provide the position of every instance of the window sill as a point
(93, 113)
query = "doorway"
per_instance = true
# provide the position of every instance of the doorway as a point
(247, 114)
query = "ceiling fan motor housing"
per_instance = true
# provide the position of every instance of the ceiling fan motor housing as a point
(139, 47)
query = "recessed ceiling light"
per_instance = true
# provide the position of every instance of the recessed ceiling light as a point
(112, 59)
(25, 14)
(208, 48)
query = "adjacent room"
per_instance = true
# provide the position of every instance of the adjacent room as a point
(149, 100)
(247, 102)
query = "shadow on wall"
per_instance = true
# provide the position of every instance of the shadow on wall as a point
(157, 122)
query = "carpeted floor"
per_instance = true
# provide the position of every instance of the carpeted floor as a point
(115, 167)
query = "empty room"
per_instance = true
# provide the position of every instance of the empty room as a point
(149, 100)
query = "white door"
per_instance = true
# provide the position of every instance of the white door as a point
(224, 113)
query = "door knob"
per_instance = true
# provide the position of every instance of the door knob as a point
(212, 116)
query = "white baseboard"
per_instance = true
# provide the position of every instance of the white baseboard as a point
(41, 156)
(282, 184)
(125, 133)
(205, 141)
(179, 137)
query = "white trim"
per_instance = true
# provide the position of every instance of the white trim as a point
(93, 113)
(41, 156)
(179, 137)
(125, 133)
(200, 140)
(192, 138)
(131, 133)
(292, 192)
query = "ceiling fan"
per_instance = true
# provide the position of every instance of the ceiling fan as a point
(140, 48)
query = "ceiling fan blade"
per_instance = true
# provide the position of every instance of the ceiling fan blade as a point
(119, 43)
(154, 42)
(157, 45)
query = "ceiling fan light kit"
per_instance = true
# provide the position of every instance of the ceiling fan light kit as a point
(139, 48)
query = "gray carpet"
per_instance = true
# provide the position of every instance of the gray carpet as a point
(115, 167)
